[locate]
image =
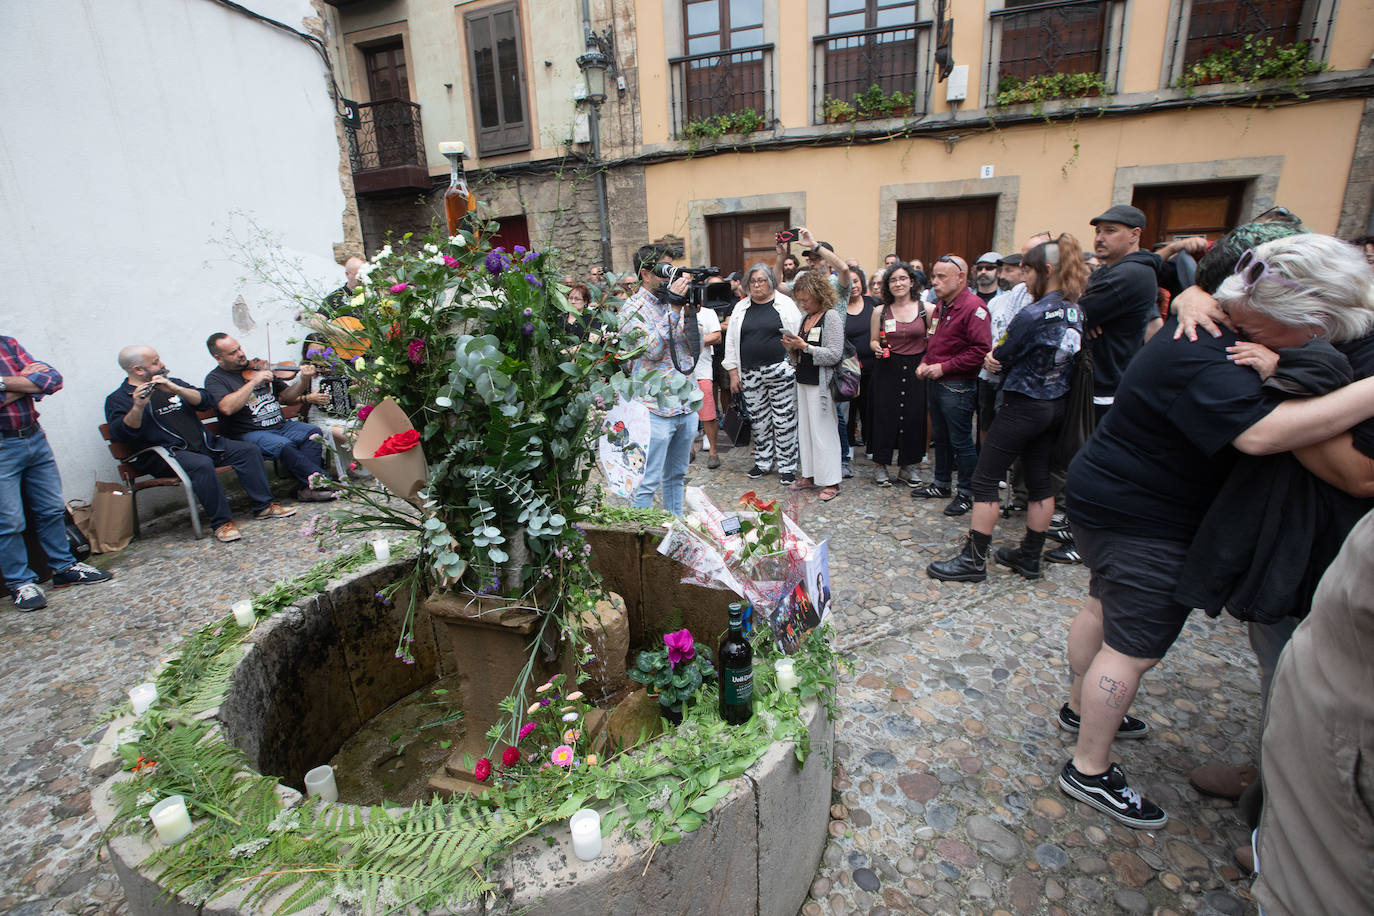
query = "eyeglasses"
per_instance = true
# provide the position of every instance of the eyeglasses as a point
(1278, 215)
(758, 281)
(1251, 269)
(984, 266)
(951, 259)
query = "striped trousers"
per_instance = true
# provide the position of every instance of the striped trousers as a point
(770, 393)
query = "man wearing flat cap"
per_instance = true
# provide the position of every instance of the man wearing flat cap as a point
(1118, 306)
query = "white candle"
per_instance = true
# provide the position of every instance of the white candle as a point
(320, 781)
(170, 819)
(243, 614)
(787, 674)
(143, 696)
(382, 548)
(586, 834)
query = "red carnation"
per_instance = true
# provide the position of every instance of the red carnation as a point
(482, 770)
(510, 757)
(400, 442)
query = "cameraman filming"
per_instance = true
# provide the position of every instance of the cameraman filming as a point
(672, 343)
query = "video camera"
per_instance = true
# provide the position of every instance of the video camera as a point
(701, 292)
(670, 273)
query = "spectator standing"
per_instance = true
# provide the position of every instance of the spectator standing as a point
(858, 327)
(152, 408)
(758, 367)
(789, 267)
(657, 311)
(959, 340)
(709, 323)
(815, 350)
(1036, 356)
(875, 285)
(28, 475)
(898, 395)
(985, 271)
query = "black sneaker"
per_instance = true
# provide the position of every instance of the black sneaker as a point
(1059, 528)
(931, 491)
(1109, 794)
(958, 505)
(756, 472)
(1130, 726)
(80, 574)
(29, 597)
(1065, 554)
(787, 478)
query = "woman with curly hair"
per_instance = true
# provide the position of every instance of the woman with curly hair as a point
(815, 350)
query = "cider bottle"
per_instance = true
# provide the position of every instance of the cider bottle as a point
(458, 199)
(735, 663)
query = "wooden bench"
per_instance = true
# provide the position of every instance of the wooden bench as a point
(137, 480)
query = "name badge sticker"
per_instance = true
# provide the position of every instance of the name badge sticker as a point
(890, 325)
(814, 335)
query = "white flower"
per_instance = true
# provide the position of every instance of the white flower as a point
(436, 259)
(569, 717)
(457, 240)
(430, 249)
(383, 254)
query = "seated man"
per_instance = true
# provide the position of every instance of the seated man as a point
(151, 408)
(249, 409)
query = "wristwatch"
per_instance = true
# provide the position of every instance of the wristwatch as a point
(3, 387)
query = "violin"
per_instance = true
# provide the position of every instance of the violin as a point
(287, 370)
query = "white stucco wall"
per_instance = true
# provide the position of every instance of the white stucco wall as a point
(131, 132)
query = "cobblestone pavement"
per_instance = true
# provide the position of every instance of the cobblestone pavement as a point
(944, 793)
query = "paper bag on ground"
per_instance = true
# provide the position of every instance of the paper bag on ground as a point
(112, 517)
(403, 473)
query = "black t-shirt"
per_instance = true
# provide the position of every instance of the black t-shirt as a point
(177, 416)
(1361, 355)
(857, 329)
(1159, 455)
(986, 297)
(760, 336)
(1121, 301)
(339, 304)
(263, 410)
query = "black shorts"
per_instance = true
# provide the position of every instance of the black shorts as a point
(1134, 578)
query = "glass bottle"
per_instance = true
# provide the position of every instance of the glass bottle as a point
(882, 343)
(458, 200)
(735, 662)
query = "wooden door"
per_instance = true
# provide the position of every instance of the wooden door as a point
(1182, 210)
(739, 240)
(927, 229)
(389, 97)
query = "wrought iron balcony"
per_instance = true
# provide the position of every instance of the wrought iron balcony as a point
(387, 150)
(716, 84)
(1061, 37)
(1207, 26)
(846, 66)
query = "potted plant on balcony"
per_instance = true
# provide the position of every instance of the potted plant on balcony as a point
(1250, 60)
(871, 103)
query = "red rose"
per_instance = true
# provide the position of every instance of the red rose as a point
(399, 442)
(482, 770)
(510, 757)
(364, 411)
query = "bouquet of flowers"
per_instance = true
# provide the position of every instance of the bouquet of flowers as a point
(757, 552)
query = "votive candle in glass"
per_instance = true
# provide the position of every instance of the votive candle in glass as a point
(243, 614)
(320, 781)
(585, 826)
(143, 696)
(382, 548)
(170, 819)
(786, 671)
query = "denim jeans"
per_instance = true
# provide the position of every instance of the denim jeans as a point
(842, 409)
(670, 448)
(295, 444)
(952, 406)
(28, 474)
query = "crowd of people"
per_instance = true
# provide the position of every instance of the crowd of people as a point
(1195, 424)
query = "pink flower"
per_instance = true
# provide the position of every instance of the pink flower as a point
(562, 755)
(450, 261)
(364, 411)
(400, 287)
(525, 731)
(416, 351)
(482, 770)
(510, 757)
(680, 647)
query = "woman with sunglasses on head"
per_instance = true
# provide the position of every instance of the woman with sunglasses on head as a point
(1036, 356)
(897, 336)
(1140, 489)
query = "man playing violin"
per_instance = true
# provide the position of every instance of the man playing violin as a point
(153, 408)
(249, 398)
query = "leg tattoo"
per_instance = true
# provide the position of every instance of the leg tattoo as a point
(1115, 690)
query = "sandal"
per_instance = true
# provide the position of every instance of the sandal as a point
(829, 493)
(805, 483)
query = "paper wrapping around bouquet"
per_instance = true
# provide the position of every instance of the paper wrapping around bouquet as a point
(403, 473)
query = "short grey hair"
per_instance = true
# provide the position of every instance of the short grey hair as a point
(132, 357)
(1337, 295)
(767, 272)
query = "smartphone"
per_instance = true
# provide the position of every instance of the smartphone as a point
(787, 236)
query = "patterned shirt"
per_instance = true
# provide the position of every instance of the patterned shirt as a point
(23, 412)
(658, 320)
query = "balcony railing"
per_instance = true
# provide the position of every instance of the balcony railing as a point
(895, 60)
(387, 150)
(1066, 36)
(718, 83)
(1211, 25)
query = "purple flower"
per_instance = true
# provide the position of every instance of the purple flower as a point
(528, 312)
(530, 256)
(532, 280)
(527, 329)
(525, 730)
(496, 262)
(680, 647)
(518, 249)
(400, 287)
